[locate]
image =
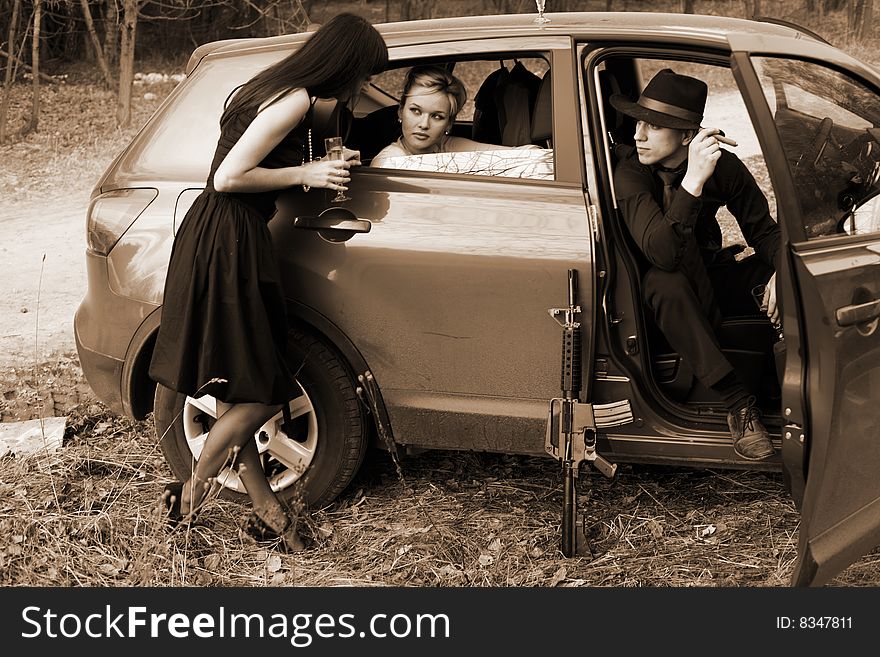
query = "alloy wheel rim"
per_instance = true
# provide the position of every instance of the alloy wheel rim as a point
(285, 457)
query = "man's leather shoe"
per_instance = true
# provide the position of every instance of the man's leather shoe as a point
(750, 438)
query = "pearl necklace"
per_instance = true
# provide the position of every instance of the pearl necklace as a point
(306, 187)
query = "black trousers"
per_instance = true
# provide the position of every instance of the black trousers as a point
(689, 304)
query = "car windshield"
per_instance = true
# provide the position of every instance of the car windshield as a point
(828, 123)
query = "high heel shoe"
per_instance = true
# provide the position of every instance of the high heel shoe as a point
(171, 497)
(270, 525)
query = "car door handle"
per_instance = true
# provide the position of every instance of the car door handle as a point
(334, 224)
(858, 313)
(334, 219)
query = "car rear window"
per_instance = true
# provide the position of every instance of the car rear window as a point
(178, 142)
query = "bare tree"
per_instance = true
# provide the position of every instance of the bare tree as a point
(10, 70)
(752, 8)
(33, 123)
(130, 10)
(96, 43)
(111, 31)
(284, 17)
(408, 11)
(860, 17)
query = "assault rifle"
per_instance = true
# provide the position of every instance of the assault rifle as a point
(571, 429)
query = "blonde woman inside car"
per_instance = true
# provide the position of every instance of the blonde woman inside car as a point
(432, 97)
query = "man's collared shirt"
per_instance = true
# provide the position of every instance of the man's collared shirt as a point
(663, 235)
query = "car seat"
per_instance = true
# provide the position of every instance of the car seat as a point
(542, 114)
(620, 128)
(373, 132)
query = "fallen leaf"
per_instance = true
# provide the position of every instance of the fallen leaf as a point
(403, 550)
(212, 561)
(486, 560)
(708, 530)
(273, 563)
(325, 530)
(558, 576)
(495, 545)
(108, 569)
(655, 528)
(535, 552)
(451, 571)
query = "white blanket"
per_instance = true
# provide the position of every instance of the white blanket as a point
(535, 163)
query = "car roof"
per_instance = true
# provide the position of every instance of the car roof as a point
(663, 27)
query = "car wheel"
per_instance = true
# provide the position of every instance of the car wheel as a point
(316, 458)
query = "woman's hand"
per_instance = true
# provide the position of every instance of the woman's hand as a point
(329, 174)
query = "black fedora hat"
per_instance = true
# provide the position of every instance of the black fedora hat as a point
(669, 100)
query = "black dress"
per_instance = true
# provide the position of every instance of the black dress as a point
(224, 326)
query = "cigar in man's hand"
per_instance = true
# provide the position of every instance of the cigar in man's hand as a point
(725, 140)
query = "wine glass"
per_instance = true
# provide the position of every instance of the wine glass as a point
(758, 293)
(335, 151)
(540, 20)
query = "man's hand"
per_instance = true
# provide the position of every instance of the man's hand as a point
(769, 303)
(703, 153)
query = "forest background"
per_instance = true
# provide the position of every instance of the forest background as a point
(79, 78)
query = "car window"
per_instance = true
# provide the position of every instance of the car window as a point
(180, 138)
(503, 95)
(828, 124)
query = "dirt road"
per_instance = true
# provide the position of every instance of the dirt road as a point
(41, 238)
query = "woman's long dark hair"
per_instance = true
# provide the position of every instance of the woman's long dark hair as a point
(337, 58)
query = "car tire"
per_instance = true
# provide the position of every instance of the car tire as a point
(333, 437)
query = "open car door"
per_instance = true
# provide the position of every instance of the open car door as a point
(819, 129)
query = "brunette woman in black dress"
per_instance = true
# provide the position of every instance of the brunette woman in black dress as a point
(224, 329)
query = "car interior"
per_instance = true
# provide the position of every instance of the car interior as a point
(747, 341)
(373, 124)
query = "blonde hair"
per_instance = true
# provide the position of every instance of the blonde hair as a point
(436, 78)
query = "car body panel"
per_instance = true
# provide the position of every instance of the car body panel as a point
(841, 506)
(436, 282)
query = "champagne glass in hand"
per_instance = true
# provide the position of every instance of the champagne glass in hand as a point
(335, 151)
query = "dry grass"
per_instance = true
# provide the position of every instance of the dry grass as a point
(88, 515)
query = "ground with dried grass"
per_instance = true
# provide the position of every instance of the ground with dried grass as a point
(87, 515)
